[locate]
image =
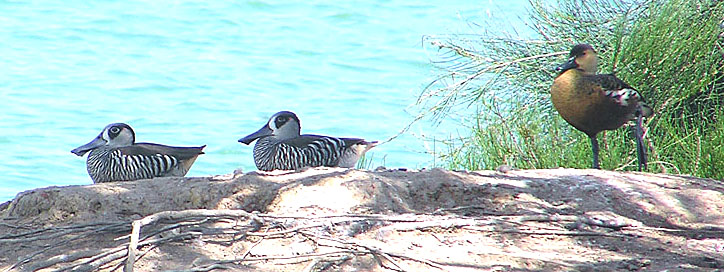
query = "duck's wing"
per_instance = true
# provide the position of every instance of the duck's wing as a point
(151, 149)
(618, 91)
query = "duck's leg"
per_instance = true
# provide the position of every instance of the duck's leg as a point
(640, 146)
(594, 148)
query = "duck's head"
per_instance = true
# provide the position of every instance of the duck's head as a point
(582, 57)
(282, 125)
(113, 135)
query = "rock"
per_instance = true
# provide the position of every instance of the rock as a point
(342, 219)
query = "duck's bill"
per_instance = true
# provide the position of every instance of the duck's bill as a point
(81, 150)
(570, 64)
(264, 131)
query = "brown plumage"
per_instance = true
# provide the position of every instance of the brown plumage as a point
(593, 102)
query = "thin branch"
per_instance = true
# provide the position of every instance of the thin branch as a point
(172, 215)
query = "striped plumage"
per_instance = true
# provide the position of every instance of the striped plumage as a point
(593, 102)
(280, 146)
(114, 156)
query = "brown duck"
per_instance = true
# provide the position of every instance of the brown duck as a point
(593, 102)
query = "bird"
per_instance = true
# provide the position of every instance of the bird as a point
(115, 156)
(593, 102)
(279, 146)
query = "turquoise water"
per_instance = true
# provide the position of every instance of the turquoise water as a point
(209, 72)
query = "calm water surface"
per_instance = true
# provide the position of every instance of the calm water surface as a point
(209, 72)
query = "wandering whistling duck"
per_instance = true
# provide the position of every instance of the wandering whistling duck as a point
(593, 102)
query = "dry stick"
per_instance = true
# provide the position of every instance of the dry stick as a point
(133, 244)
(67, 230)
(263, 236)
(311, 265)
(425, 261)
(109, 255)
(13, 226)
(677, 230)
(172, 215)
(331, 261)
(561, 233)
(376, 255)
(243, 256)
(202, 268)
(47, 248)
(121, 264)
(371, 216)
(308, 256)
(27, 233)
(612, 224)
(117, 253)
(248, 251)
(145, 251)
(178, 225)
(376, 251)
(281, 233)
(72, 228)
(389, 259)
(166, 228)
(93, 266)
(57, 232)
(344, 218)
(64, 258)
(441, 211)
(120, 252)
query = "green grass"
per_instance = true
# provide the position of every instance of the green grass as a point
(367, 161)
(671, 51)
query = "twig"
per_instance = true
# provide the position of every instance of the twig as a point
(64, 258)
(13, 226)
(328, 262)
(561, 233)
(58, 231)
(59, 243)
(121, 251)
(172, 215)
(374, 250)
(307, 255)
(454, 209)
(202, 268)
(391, 218)
(248, 251)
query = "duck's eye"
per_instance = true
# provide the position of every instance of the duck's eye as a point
(115, 130)
(280, 121)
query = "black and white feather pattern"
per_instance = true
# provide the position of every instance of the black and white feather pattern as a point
(280, 146)
(618, 91)
(304, 151)
(140, 161)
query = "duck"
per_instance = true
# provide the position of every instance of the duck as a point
(281, 146)
(115, 156)
(592, 102)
